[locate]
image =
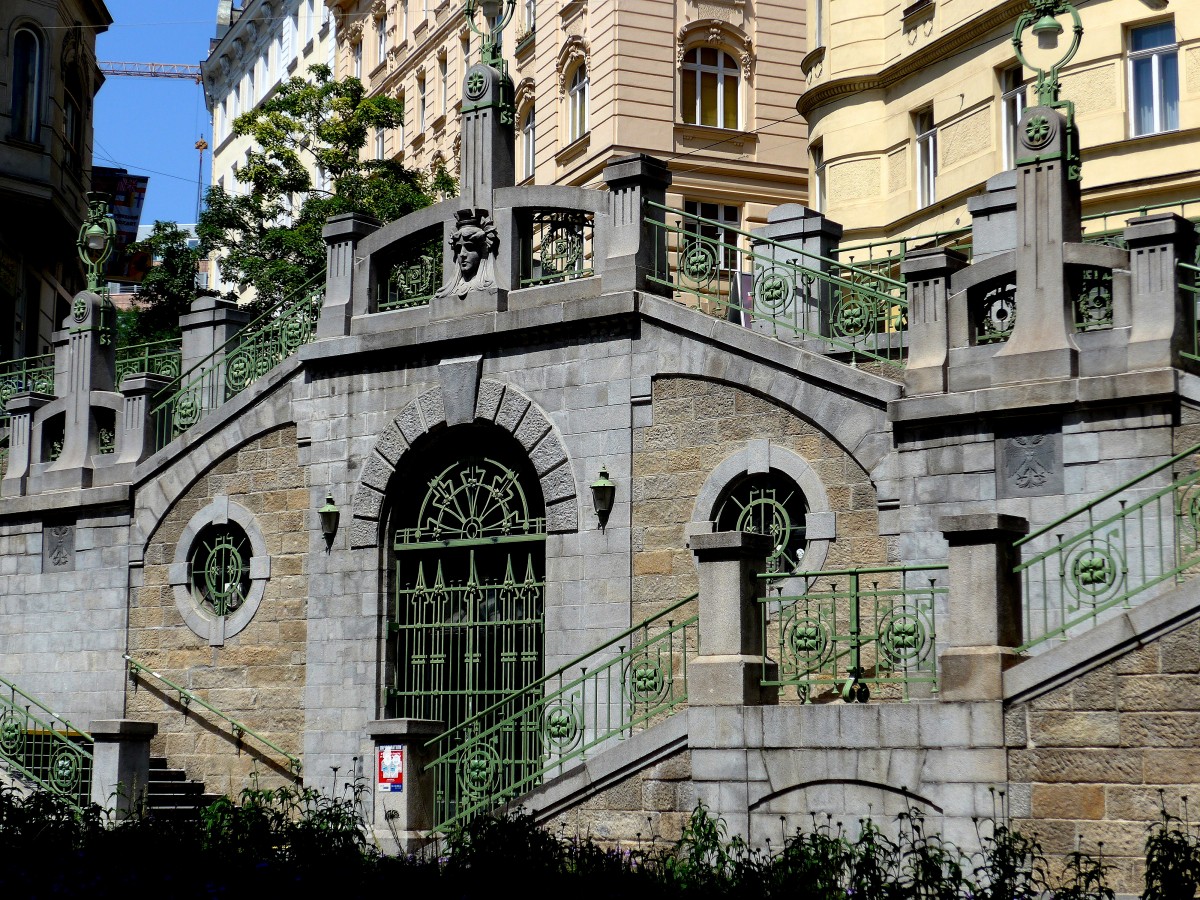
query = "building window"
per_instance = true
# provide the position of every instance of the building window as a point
(26, 85)
(818, 177)
(288, 40)
(379, 143)
(577, 104)
(73, 125)
(769, 503)
(380, 41)
(530, 15)
(358, 60)
(403, 21)
(1012, 102)
(719, 228)
(251, 99)
(421, 105)
(528, 144)
(403, 118)
(237, 102)
(444, 84)
(709, 94)
(926, 157)
(331, 49)
(310, 12)
(1154, 78)
(818, 8)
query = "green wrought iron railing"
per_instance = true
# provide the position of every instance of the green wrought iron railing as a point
(615, 690)
(1129, 540)
(780, 290)
(1189, 281)
(414, 274)
(1109, 227)
(840, 631)
(154, 357)
(262, 345)
(240, 731)
(884, 256)
(44, 748)
(30, 373)
(556, 246)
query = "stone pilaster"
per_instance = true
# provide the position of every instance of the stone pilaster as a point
(342, 234)
(634, 250)
(927, 274)
(1163, 314)
(21, 453)
(487, 141)
(985, 605)
(137, 440)
(994, 217)
(121, 763)
(730, 667)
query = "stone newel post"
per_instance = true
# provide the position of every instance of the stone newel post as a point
(403, 818)
(634, 250)
(927, 274)
(985, 605)
(730, 667)
(1163, 315)
(121, 763)
(342, 234)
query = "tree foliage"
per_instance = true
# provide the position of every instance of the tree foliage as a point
(268, 234)
(168, 287)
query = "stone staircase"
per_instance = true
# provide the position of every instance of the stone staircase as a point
(172, 795)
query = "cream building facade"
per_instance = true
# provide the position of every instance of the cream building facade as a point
(708, 86)
(913, 107)
(257, 47)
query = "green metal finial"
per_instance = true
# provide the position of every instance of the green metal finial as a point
(497, 20)
(96, 238)
(1040, 19)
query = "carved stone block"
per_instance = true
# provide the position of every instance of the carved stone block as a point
(1029, 459)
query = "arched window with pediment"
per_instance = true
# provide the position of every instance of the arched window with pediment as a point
(710, 88)
(28, 83)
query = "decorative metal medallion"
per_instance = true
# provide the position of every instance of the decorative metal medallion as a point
(645, 681)
(772, 290)
(562, 249)
(806, 637)
(476, 85)
(478, 767)
(1093, 299)
(12, 734)
(561, 725)
(220, 566)
(79, 309)
(64, 771)
(699, 262)
(1095, 571)
(853, 315)
(904, 639)
(1038, 131)
(996, 314)
(185, 411)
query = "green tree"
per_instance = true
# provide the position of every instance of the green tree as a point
(168, 287)
(267, 242)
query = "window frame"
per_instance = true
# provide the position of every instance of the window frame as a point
(1014, 100)
(817, 194)
(578, 99)
(380, 41)
(720, 233)
(356, 56)
(925, 139)
(726, 67)
(1155, 54)
(529, 142)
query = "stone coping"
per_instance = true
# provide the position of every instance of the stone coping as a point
(82, 499)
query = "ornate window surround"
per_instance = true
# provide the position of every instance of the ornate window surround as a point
(722, 35)
(216, 629)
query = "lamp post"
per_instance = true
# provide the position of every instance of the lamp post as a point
(497, 14)
(1041, 18)
(97, 235)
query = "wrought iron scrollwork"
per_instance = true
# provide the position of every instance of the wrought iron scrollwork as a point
(996, 314)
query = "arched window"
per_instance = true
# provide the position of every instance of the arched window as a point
(528, 144)
(577, 104)
(768, 503)
(73, 123)
(26, 84)
(709, 93)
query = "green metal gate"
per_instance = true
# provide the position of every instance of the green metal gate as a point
(468, 619)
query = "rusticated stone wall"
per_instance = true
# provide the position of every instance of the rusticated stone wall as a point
(258, 676)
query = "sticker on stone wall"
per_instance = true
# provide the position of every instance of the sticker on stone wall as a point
(58, 548)
(1029, 464)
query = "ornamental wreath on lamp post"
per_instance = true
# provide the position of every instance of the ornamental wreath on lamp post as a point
(1041, 19)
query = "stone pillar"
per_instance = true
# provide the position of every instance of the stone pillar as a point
(1042, 345)
(403, 819)
(730, 667)
(809, 240)
(487, 141)
(211, 324)
(985, 605)
(121, 763)
(635, 250)
(342, 234)
(137, 439)
(1163, 314)
(21, 453)
(994, 217)
(927, 274)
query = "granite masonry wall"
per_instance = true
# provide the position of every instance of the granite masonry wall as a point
(258, 675)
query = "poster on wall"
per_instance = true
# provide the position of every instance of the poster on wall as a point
(389, 768)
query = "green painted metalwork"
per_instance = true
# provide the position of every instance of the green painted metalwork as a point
(262, 345)
(994, 313)
(1128, 541)
(187, 698)
(556, 246)
(884, 256)
(847, 308)
(219, 567)
(44, 748)
(415, 275)
(771, 504)
(1092, 298)
(621, 687)
(155, 357)
(1189, 283)
(30, 373)
(839, 631)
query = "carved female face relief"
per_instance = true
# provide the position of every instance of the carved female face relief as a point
(475, 242)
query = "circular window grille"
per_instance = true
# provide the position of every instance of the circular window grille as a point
(219, 567)
(768, 503)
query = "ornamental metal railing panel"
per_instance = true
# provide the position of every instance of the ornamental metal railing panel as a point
(557, 245)
(1189, 282)
(414, 273)
(44, 748)
(1109, 227)
(851, 632)
(30, 373)
(242, 734)
(780, 290)
(1136, 541)
(621, 687)
(257, 349)
(154, 358)
(884, 256)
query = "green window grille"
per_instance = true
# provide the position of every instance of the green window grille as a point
(467, 624)
(768, 503)
(219, 567)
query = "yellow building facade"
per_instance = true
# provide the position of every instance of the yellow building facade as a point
(911, 108)
(708, 85)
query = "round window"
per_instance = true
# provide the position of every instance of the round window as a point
(219, 567)
(768, 503)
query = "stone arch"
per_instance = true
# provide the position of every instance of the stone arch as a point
(761, 456)
(717, 33)
(495, 402)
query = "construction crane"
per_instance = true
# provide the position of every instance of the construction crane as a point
(152, 70)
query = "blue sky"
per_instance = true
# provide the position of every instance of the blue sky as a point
(150, 125)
